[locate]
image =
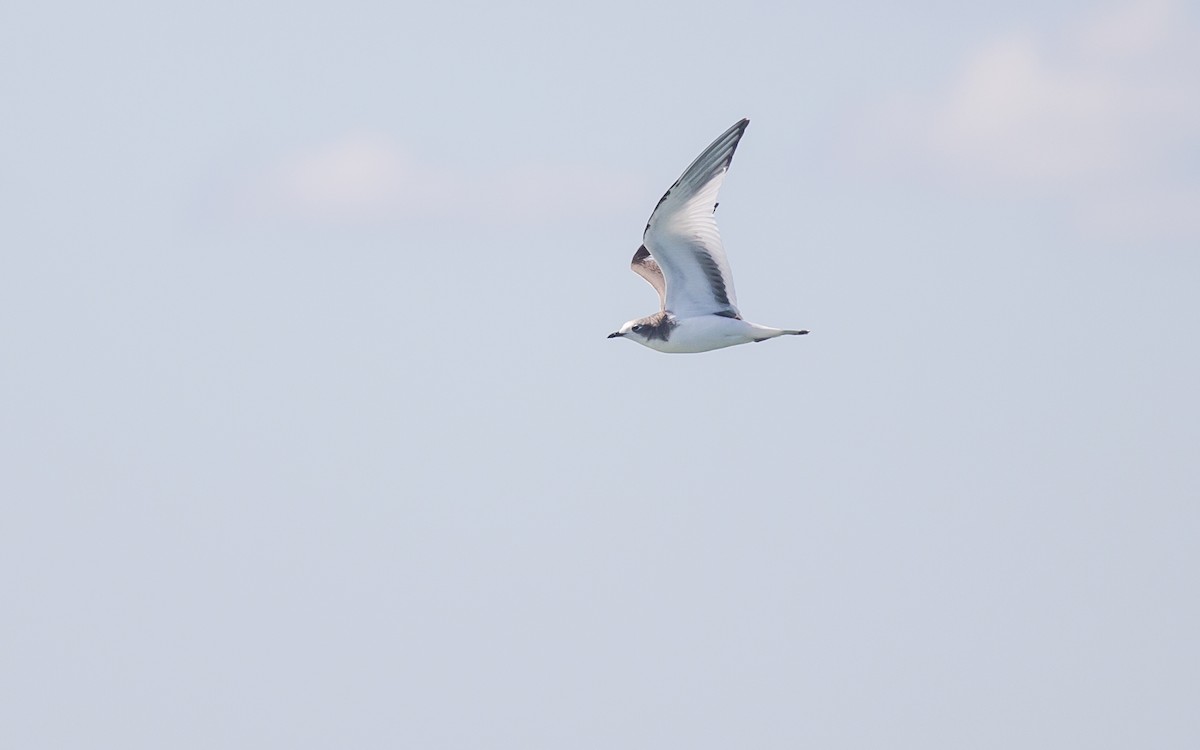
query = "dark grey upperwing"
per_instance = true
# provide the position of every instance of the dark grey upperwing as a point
(645, 266)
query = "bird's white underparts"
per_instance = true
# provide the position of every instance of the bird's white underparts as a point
(683, 259)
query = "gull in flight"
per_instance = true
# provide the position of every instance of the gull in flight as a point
(682, 258)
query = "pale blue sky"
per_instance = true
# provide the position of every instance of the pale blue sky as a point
(312, 437)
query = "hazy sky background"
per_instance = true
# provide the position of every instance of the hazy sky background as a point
(311, 437)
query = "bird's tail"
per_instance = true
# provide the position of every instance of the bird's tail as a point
(762, 333)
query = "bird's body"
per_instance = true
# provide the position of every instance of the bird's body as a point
(683, 259)
(664, 332)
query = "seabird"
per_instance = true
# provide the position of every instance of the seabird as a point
(683, 259)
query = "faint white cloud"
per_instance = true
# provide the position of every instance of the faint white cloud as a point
(1129, 30)
(1105, 114)
(355, 178)
(362, 178)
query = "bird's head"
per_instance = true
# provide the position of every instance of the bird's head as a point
(637, 330)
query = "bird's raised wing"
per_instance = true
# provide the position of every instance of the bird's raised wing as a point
(682, 237)
(645, 266)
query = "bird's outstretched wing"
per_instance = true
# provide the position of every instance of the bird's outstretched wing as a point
(683, 240)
